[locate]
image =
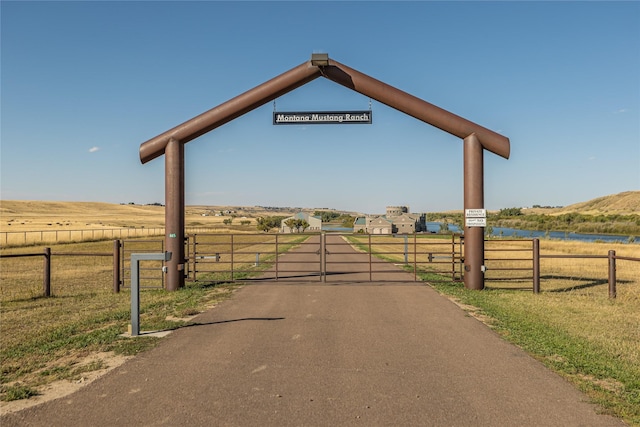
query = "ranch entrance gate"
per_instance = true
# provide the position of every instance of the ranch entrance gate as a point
(475, 138)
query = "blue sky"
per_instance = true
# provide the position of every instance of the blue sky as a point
(85, 83)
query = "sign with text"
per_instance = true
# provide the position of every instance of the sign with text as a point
(322, 118)
(475, 222)
(475, 213)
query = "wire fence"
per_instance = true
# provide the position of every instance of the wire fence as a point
(24, 238)
(33, 238)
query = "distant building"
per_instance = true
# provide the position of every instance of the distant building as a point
(397, 220)
(315, 223)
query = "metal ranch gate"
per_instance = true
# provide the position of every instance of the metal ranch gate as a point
(321, 257)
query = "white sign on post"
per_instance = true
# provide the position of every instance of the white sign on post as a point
(476, 222)
(475, 213)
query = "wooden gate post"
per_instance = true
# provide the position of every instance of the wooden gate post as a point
(473, 199)
(46, 280)
(536, 266)
(612, 274)
(116, 266)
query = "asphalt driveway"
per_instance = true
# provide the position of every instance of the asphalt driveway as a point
(341, 353)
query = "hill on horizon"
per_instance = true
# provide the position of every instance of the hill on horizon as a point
(21, 214)
(625, 203)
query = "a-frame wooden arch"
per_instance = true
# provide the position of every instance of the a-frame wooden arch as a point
(171, 143)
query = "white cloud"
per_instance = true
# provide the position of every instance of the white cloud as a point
(94, 149)
(620, 111)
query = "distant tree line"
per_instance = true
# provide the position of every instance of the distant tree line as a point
(298, 225)
(267, 223)
(148, 204)
(509, 212)
(545, 207)
(569, 222)
(336, 217)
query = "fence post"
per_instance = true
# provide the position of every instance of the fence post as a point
(406, 249)
(323, 256)
(370, 260)
(612, 274)
(415, 257)
(116, 266)
(218, 257)
(536, 266)
(195, 252)
(453, 257)
(46, 283)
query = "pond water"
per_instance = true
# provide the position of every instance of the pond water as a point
(529, 234)
(336, 228)
(434, 227)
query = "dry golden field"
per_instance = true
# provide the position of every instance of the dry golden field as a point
(38, 215)
(32, 222)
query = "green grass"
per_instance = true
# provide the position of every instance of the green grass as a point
(45, 339)
(17, 392)
(558, 330)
